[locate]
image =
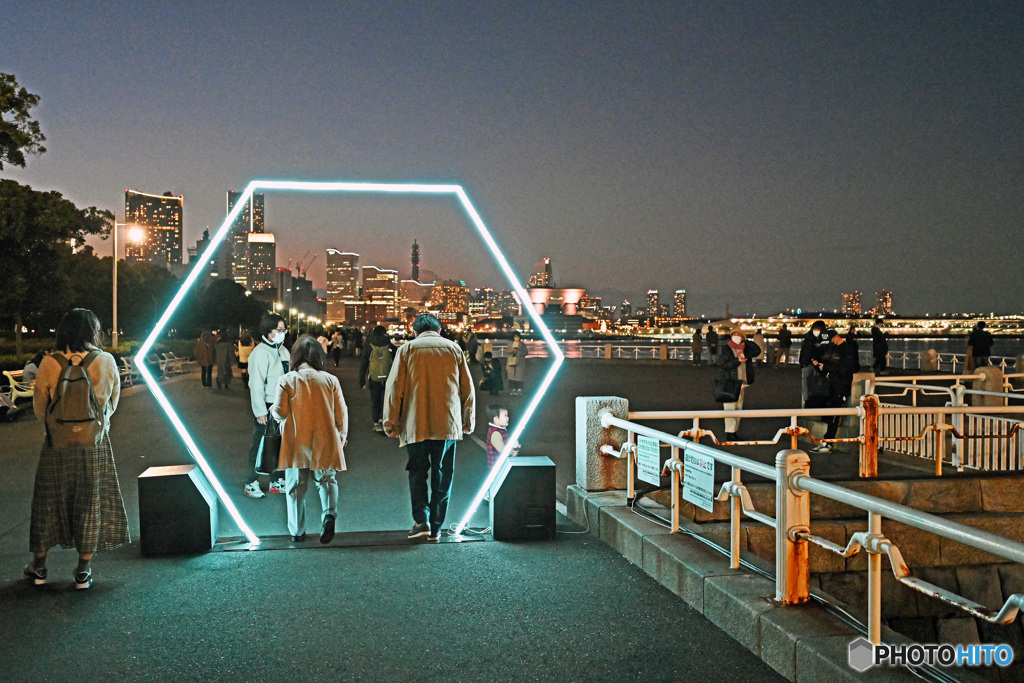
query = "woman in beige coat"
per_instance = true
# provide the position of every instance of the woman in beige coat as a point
(314, 429)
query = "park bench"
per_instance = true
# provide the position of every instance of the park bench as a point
(18, 388)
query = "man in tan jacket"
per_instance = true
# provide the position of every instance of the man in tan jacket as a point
(429, 404)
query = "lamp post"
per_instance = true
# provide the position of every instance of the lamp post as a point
(135, 236)
(302, 317)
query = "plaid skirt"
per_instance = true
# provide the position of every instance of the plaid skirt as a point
(77, 501)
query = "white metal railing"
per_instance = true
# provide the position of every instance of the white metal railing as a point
(793, 481)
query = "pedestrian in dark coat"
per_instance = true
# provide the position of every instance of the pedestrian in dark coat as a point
(839, 361)
(205, 356)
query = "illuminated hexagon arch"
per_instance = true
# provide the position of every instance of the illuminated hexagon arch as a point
(390, 188)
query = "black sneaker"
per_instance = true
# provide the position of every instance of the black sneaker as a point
(299, 538)
(419, 530)
(83, 580)
(327, 533)
(434, 537)
(36, 576)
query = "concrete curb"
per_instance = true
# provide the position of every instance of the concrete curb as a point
(802, 643)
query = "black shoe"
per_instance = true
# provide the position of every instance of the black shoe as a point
(419, 530)
(327, 533)
(434, 536)
(300, 538)
(83, 580)
(37, 576)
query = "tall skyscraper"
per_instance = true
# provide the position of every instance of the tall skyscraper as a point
(679, 303)
(342, 283)
(626, 309)
(542, 276)
(380, 288)
(283, 285)
(160, 217)
(884, 305)
(248, 221)
(415, 260)
(653, 306)
(415, 295)
(262, 259)
(450, 298)
(852, 304)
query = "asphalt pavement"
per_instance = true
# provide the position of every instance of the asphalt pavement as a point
(569, 609)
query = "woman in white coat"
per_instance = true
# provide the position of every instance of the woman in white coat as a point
(313, 434)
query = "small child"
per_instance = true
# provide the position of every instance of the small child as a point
(491, 369)
(497, 433)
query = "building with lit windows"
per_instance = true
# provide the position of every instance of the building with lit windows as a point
(506, 304)
(450, 299)
(160, 219)
(883, 305)
(626, 309)
(852, 304)
(415, 259)
(380, 288)
(342, 283)
(653, 307)
(541, 276)
(250, 220)
(262, 257)
(679, 304)
(415, 295)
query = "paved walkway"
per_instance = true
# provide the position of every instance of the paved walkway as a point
(571, 609)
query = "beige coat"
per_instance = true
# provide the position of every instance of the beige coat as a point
(429, 393)
(315, 429)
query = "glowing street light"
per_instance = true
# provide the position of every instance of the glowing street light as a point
(135, 235)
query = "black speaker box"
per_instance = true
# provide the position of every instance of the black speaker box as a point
(177, 511)
(523, 500)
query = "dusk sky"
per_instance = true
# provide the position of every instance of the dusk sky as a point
(764, 155)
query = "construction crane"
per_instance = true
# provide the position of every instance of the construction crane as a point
(298, 266)
(309, 264)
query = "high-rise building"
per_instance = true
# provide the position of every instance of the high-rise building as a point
(415, 295)
(653, 307)
(415, 260)
(679, 303)
(506, 304)
(542, 276)
(160, 218)
(626, 309)
(380, 288)
(262, 259)
(883, 306)
(195, 253)
(249, 220)
(283, 285)
(852, 304)
(450, 298)
(342, 283)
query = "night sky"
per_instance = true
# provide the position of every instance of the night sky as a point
(764, 155)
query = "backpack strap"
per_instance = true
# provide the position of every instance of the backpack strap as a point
(89, 358)
(60, 358)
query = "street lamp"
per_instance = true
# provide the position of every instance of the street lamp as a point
(302, 316)
(134, 234)
(291, 312)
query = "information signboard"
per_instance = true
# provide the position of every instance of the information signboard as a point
(648, 460)
(699, 481)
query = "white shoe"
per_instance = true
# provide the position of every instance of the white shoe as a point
(253, 490)
(278, 486)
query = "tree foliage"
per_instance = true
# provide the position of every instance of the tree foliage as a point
(19, 132)
(223, 304)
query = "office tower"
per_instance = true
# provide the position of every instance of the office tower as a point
(883, 306)
(380, 289)
(262, 258)
(342, 283)
(304, 299)
(249, 220)
(160, 218)
(653, 307)
(415, 295)
(450, 299)
(415, 261)
(852, 304)
(283, 285)
(626, 309)
(542, 276)
(506, 304)
(679, 303)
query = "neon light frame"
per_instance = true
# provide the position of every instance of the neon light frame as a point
(391, 188)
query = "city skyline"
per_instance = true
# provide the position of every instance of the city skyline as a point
(765, 157)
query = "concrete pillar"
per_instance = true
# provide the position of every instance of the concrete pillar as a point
(992, 381)
(607, 351)
(663, 352)
(594, 471)
(930, 361)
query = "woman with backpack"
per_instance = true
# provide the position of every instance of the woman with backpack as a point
(374, 366)
(77, 499)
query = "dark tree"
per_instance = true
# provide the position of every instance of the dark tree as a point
(223, 304)
(19, 132)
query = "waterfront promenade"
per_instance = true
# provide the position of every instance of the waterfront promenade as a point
(571, 609)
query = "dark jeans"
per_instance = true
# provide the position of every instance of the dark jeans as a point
(834, 422)
(207, 375)
(981, 361)
(437, 457)
(878, 362)
(258, 430)
(336, 354)
(376, 400)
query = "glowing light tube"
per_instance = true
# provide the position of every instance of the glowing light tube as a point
(314, 186)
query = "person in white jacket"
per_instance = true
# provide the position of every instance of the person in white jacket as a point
(314, 429)
(267, 363)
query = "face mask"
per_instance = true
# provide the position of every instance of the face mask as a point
(817, 333)
(276, 337)
(736, 339)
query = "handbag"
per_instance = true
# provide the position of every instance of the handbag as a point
(819, 385)
(270, 448)
(726, 389)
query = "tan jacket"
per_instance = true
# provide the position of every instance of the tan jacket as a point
(429, 393)
(315, 429)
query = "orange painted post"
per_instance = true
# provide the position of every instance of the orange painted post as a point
(869, 436)
(792, 515)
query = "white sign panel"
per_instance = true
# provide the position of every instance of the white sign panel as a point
(648, 460)
(699, 481)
